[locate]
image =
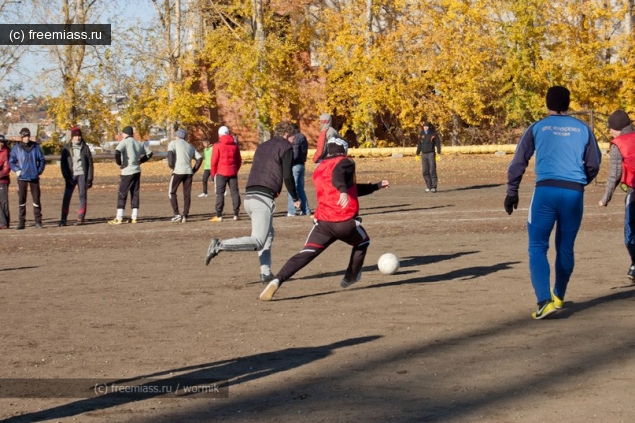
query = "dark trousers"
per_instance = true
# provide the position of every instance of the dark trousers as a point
(23, 186)
(129, 184)
(321, 236)
(206, 174)
(429, 169)
(175, 181)
(75, 181)
(221, 183)
(5, 216)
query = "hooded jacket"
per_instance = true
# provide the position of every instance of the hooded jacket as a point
(27, 159)
(67, 165)
(326, 133)
(226, 158)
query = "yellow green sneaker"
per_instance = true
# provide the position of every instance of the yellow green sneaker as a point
(546, 310)
(557, 302)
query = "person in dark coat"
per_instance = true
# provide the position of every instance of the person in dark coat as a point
(429, 140)
(77, 170)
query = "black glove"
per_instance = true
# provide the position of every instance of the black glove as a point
(511, 203)
(89, 184)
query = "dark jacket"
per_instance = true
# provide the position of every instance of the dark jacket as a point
(5, 169)
(67, 162)
(300, 149)
(27, 159)
(428, 141)
(273, 164)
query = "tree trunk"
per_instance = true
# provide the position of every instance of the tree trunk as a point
(262, 117)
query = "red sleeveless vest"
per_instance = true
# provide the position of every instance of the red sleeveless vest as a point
(328, 195)
(626, 145)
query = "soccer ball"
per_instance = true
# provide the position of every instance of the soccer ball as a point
(388, 264)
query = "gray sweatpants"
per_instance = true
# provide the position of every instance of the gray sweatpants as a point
(260, 209)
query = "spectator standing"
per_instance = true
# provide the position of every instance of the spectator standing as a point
(429, 140)
(326, 133)
(300, 151)
(77, 170)
(180, 156)
(5, 180)
(129, 155)
(567, 159)
(207, 159)
(272, 165)
(27, 162)
(226, 162)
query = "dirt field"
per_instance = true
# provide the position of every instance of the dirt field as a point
(449, 338)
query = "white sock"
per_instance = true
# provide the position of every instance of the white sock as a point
(135, 212)
(119, 213)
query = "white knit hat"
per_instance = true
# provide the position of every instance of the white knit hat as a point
(223, 130)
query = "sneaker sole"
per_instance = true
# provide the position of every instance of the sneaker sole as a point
(268, 293)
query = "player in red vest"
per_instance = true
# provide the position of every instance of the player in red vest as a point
(622, 172)
(336, 217)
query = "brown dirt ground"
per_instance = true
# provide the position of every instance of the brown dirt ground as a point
(448, 338)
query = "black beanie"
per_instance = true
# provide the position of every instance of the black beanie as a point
(619, 120)
(558, 99)
(127, 130)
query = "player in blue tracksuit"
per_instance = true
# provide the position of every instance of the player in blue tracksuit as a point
(567, 159)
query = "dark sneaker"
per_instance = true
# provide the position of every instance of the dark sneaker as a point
(38, 225)
(346, 283)
(631, 273)
(62, 223)
(547, 309)
(212, 251)
(266, 278)
(271, 288)
(20, 226)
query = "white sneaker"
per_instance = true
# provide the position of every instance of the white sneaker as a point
(236, 218)
(202, 195)
(183, 219)
(177, 218)
(267, 293)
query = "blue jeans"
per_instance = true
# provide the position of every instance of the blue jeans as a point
(563, 208)
(298, 176)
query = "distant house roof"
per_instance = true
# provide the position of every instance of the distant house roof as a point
(13, 132)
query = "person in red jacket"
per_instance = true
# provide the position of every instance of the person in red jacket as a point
(622, 172)
(226, 162)
(5, 180)
(336, 217)
(326, 133)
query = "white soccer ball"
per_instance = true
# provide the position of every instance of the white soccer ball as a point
(388, 264)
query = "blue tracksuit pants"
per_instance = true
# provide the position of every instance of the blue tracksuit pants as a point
(563, 208)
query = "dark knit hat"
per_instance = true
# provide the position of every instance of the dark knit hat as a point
(76, 132)
(24, 132)
(558, 99)
(3, 139)
(180, 133)
(127, 130)
(336, 147)
(619, 120)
